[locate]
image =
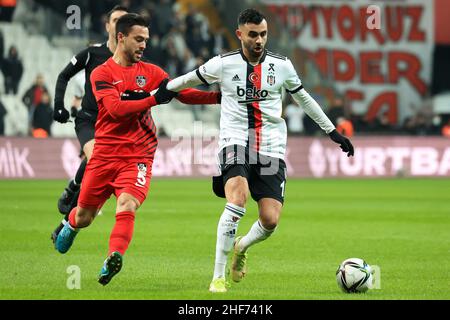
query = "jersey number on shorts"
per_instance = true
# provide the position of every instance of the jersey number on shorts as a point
(282, 188)
(141, 179)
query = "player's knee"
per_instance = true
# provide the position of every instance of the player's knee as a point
(127, 204)
(269, 222)
(270, 225)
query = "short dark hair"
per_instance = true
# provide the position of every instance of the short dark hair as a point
(250, 16)
(127, 21)
(114, 9)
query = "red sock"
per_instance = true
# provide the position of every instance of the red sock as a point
(122, 232)
(72, 215)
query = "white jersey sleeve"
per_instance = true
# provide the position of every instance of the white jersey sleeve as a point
(292, 83)
(313, 110)
(294, 86)
(208, 73)
(211, 71)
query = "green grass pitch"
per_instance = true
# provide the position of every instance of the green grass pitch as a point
(402, 226)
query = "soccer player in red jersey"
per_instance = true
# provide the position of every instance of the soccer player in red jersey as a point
(125, 139)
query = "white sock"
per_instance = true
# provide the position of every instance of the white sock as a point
(226, 232)
(256, 234)
(74, 229)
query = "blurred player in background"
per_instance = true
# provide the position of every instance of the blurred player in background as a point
(86, 60)
(125, 139)
(253, 137)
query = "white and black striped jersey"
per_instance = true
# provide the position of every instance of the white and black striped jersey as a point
(251, 105)
(252, 99)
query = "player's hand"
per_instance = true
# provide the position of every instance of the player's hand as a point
(343, 141)
(61, 115)
(163, 95)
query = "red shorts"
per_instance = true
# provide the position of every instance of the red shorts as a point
(105, 177)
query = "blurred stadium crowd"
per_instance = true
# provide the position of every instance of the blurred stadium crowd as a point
(33, 50)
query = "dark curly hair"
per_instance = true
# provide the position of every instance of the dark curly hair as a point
(250, 16)
(127, 21)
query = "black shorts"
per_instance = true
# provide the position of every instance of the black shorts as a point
(85, 130)
(266, 176)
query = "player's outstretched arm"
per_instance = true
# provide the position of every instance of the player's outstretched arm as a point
(77, 64)
(294, 86)
(194, 96)
(315, 112)
(207, 74)
(181, 88)
(117, 107)
(189, 80)
(312, 109)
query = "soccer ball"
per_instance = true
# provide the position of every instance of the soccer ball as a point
(354, 275)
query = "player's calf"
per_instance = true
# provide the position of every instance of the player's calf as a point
(82, 217)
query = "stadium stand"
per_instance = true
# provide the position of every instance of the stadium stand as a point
(185, 33)
(38, 56)
(49, 58)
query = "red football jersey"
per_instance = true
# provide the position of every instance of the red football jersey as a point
(124, 127)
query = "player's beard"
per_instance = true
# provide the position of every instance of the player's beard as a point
(132, 55)
(251, 50)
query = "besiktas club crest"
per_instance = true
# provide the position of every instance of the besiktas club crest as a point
(271, 79)
(141, 81)
(142, 167)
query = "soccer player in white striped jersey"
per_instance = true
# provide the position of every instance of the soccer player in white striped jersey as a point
(252, 137)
